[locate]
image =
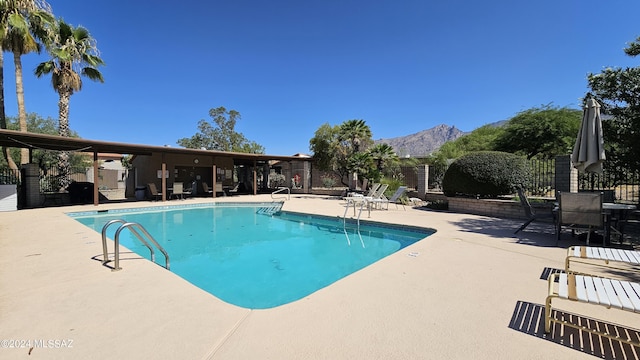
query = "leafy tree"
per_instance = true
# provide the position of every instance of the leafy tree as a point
(220, 134)
(480, 139)
(28, 22)
(540, 132)
(327, 151)
(340, 149)
(361, 163)
(73, 54)
(618, 91)
(45, 158)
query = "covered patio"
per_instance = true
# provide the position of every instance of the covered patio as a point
(152, 163)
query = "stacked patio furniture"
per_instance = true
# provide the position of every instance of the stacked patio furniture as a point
(596, 290)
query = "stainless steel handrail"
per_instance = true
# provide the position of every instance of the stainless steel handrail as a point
(134, 228)
(280, 189)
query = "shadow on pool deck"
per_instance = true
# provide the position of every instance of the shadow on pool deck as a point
(528, 318)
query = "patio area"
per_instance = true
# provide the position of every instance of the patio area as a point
(472, 290)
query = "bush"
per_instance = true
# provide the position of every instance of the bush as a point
(328, 181)
(486, 174)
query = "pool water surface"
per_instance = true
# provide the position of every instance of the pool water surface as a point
(244, 255)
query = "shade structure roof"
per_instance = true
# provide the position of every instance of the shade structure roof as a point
(17, 139)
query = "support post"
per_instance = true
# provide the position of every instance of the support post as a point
(96, 177)
(566, 175)
(215, 180)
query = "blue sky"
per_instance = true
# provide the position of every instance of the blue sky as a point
(290, 66)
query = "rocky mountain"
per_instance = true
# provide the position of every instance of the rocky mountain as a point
(424, 142)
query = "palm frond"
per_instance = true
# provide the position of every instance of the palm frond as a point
(44, 68)
(93, 74)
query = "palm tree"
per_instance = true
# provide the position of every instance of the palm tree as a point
(382, 154)
(10, 12)
(25, 26)
(356, 133)
(73, 54)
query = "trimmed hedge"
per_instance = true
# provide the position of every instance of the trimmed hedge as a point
(485, 174)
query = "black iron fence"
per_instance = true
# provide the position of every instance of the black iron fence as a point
(621, 182)
(542, 178)
(409, 176)
(9, 176)
(50, 178)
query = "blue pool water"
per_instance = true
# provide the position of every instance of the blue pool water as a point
(252, 259)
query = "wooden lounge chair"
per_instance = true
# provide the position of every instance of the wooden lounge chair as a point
(611, 293)
(155, 195)
(611, 258)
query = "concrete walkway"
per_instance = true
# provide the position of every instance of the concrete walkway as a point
(472, 290)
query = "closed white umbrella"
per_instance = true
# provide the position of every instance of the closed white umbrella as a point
(588, 152)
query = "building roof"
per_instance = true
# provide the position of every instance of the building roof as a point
(17, 139)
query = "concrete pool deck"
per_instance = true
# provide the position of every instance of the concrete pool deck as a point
(472, 290)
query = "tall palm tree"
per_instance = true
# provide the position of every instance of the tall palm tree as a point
(73, 54)
(356, 133)
(26, 26)
(9, 11)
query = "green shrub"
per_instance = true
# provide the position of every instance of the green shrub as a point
(328, 181)
(486, 174)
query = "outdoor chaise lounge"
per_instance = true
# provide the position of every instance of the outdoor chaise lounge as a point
(365, 200)
(599, 255)
(611, 293)
(394, 198)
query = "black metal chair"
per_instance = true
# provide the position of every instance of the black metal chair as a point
(530, 212)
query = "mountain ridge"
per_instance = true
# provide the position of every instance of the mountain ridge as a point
(423, 142)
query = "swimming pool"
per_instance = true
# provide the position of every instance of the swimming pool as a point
(244, 255)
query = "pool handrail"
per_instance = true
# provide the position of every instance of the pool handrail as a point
(133, 227)
(281, 189)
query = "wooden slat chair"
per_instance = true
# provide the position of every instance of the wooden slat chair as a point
(611, 293)
(598, 255)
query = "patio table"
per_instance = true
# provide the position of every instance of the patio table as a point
(609, 210)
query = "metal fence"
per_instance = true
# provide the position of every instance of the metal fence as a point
(542, 178)
(623, 183)
(9, 176)
(50, 178)
(410, 176)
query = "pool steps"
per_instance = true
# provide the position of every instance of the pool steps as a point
(270, 209)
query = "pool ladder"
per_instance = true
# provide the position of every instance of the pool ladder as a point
(136, 229)
(344, 216)
(344, 222)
